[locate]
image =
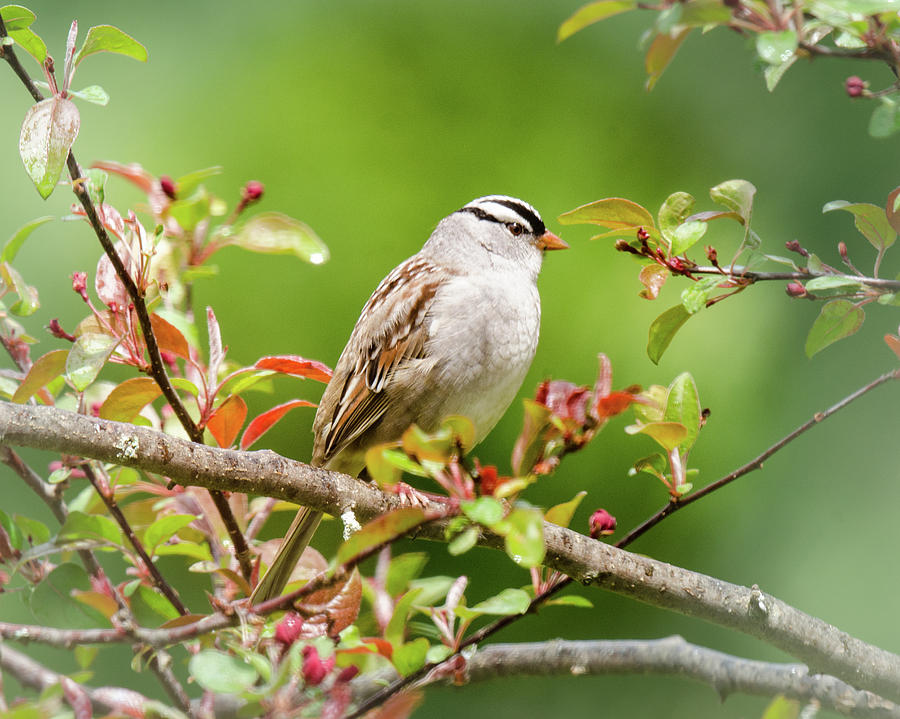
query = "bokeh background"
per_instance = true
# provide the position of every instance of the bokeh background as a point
(372, 120)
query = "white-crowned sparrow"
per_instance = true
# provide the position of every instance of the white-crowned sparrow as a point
(450, 331)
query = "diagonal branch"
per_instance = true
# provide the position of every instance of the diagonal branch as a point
(822, 647)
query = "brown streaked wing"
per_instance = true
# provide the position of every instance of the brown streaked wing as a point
(389, 332)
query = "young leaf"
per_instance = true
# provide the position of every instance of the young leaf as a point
(48, 131)
(870, 220)
(561, 514)
(463, 541)
(186, 184)
(227, 419)
(222, 673)
(264, 422)
(776, 48)
(660, 54)
(614, 213)
(484, 510)
(524, 537)
(832, 282)
(403, 569)
(683, 407)
(736, 195)
(51, 602)
(509, 601)
(380, 530)
(93, 94)
(669, 435)
(216, 351)
(410, 657)
(397, 625)
(663, 330)
(675, 210)
(127, 400)
(686, 235)
(44, 369)
(838, 319)
(28, 302)
(87, 357)
(296, 366)
(591, 13)
(106, 38)
(12, 246)
(79, 525)
(163, 529)
(653, 277)
(31, 43)
(169, 337)
(529, 444)
(277, 234)
(893, 341)
(891, 209)
(695, 296)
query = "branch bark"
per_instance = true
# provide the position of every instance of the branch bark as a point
(822, 647)
(726, 674)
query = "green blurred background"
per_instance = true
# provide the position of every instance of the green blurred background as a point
(372, 120)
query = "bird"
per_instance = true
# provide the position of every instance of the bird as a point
(450, 331)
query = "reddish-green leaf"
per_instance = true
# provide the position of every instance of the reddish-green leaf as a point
(379, 531)
(332, 609)
(87, 357)
(663, 330)
(616, 213)
(838, 319)
(48, 131)
(529, 444)
(870, 220)
(45, 369)
(653, 277)
(278, 234)
(668, 434)
(264, 422)
(106, 38)
(169, 337)
(591, 13)
(892, 209)
(660, 54)
(226, 421)
(28, 302)
(126, 401)
(893, 341)
(295, 366)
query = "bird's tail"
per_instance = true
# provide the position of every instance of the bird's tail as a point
(295, 541)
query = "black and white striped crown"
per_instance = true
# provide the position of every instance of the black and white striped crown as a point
(503, 209)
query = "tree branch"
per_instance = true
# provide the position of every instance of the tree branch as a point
(726, 674)
(821, 646)
(745, 274)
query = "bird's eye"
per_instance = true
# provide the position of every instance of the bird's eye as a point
(515, 228)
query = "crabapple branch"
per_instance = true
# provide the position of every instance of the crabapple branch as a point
(821, 646)
(743, 273)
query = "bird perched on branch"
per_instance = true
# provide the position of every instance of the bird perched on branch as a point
(451, 331)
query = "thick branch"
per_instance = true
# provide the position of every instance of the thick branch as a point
(821, 646)
(671, 656)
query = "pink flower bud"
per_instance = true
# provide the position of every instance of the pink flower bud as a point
(57, 331)
(168, 186)
(855, 86)
(288, 629)
(794, 246)
(795, 289)
(842, 251)
(602, 522)
(252, 191)
(642, 234)
(315, 669)
(712, 255)
(79, 284)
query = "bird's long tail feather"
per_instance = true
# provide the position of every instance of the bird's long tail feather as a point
(295, 541)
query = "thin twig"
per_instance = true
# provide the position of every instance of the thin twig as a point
(743, 273)
(157, 368)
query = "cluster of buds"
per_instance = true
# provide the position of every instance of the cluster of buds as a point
(676, 264)
(856, 86)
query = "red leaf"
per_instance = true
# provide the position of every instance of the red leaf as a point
(565, 399)
(331, 610)
(109, 287)
(371, 645)
(126, 401)
(892, 341)
(169, 337)
(296, 366)
(227, 420)
(614, 403)
(133, 173)
(45, 369)
(264, 422)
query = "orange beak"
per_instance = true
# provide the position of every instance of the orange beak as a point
(549, 241)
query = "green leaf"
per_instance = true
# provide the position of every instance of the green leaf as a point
(669, 435)
(509, 601)
(150, 606)
(736, 195)
(93, 94)
(523, 531)
(380, 530)
(79, 525)
(591, 13)
(776, 48)
(277, 234)
(87, 357)
(663, 329)
(410, 657)
(463, 542)
(614, 213)
(48, 131)
(484, 510)
(14, 244)
(396, 627)
(675, 210)
(885, 120)
(191, 211)
(698, 13)
(660, 54)
(16, 17)
(570, 600)
(186, 184)
(433, 589)
(31, 43)
(222, 673)
(127, 400)
(402, 570)
(654, 464)
(561, 514)
(891, 209)
(44, 369)
(695, 296)
(782, 708)
(833, 282)
(52, 604)
(33, 531)
(28, 302)
(683, 407)
(774, 73)
(870, 220)
(686, 236)
(838, 319)
(163, 529)
(106, 38)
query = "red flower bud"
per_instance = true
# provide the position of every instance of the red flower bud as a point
(288, 629)
(315, 669)
(602, 522)
(347, 673)
(487, 476)
(57, 331)
(842, 251)
(252, 191)
(79, 284)
(795, 289)
(168, 186)
(794, 246)
(712, 255)
(855, 86)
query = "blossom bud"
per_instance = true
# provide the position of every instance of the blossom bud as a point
(252, 191)
(79, 284)
(288, 629)
(315, 669)
(712, 255)
(855, 86)
(347, 673)
(57, 331)
(601, 523)
(795, 289)
(842, 251)
(794, 246)
(642, 234)
(168, 186)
